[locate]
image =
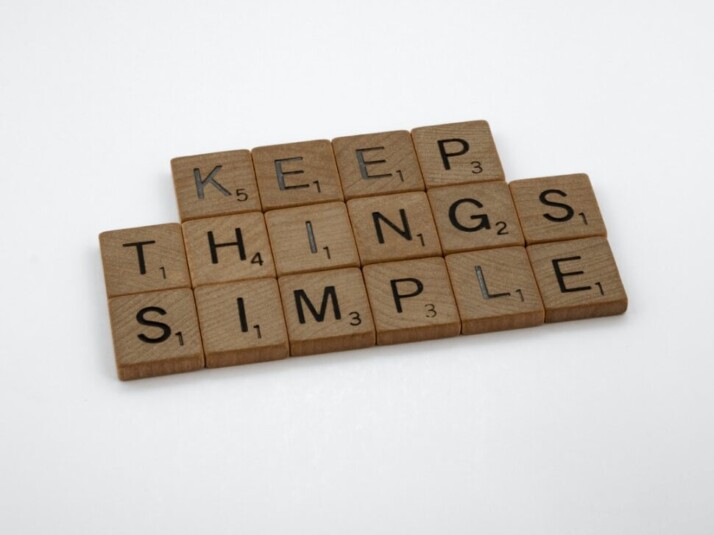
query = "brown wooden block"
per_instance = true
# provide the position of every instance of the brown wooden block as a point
(495, 290)
(215, 184)
(144, 259)
(411, 300)
(393, 227)
(295, 174)
(241, 322)
(577, 279)
(557, 208)
(457, 153)
(228, 248)
(377, 164)
(475, 216)
(155, 333)
(326, 311)
(311, 238)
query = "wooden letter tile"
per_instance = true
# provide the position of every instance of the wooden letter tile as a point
(215, 184)
(411, 300)
(457, 153)
(296, 174)
(144, 259)
(377, 164)
(242, 322)
(475, 216)
(578, 279)
(311, 238)
(495, 290)
(155, 333)
(326, 311)
(393, 227)
(557, 208)
(228, 248)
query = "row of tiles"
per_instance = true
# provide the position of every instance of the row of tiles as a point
(311, 172)
(171, 331)
(362, 231)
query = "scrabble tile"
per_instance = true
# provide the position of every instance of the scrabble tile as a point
(377, 164)
(144, 259)
(557, 208)
(220, 183)
(411, 300)
(326, 311)
(228, 248)
(155, 333)
(295, 174)
(241, 322)
(311, 238)
(577, 279)
(475, 216)
(495, 290)
(457, 153)
(393, 227)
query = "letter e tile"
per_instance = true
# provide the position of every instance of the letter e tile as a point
(295, 174)
(577, 279)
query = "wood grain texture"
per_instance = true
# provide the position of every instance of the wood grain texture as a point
(377, 164)
(457, 153)
(326, 311)
(311, 238)
(220, 183)
(155, 333)
(228, 248)
(475, 216)
(295, 174)
(393, 227)
(144, 259)
(557, 208)
(411, 300)
(495, 290)
(578, 279)
(242, 322)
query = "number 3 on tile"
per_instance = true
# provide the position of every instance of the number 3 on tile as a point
(430, 310)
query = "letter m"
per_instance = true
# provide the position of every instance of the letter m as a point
(329, 294)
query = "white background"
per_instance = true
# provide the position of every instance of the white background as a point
(598, 426)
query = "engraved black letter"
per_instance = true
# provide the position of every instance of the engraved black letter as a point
(166, 330)
(140, 253)
(281, 174)
(329, 293)
(561, 276)
(363, 164)
(445, 155)
(201, 184)
(405, 232)
(482, 218)
(398, 297)
(214, 246)
(569, 212)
